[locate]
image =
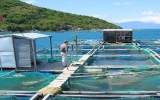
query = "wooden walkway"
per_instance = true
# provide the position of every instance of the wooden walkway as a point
(67, 72)
(45, 67)
(61, 79)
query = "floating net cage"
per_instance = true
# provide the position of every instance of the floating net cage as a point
(138, 71)
(116, 82)
(56, 51)
(95, 84)
(13, 98)
(45, 54)
(120, 52)
(120, 47)
(25, 81)
(121, 60)
(59, 58)
(152, 44)
(130, 69)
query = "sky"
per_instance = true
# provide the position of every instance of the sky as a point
(114, 11)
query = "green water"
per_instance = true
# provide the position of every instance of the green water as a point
(13, 98)
(137, 81)
(121, 60)
(25, 81)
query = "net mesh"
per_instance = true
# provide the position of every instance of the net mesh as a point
(142, 78)
(117, 81)
(120, 47)
(70, 58)
(13, 98)
(122, 60)
(27, 81)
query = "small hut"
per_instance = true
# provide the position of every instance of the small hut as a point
(117, 35)
(19, 50)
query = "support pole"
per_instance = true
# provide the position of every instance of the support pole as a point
(72, 52)
(1, 64)
(51, 46)
(34, 97)
(111, 92)
(75, 39)
(34, 55)
(46, 97)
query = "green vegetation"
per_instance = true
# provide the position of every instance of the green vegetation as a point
(20, 16)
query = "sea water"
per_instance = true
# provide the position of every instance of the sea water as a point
(59, 37)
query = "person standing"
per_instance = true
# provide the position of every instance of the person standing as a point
(64, 51)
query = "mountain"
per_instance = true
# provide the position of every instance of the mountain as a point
(20, 16)
(139, 25)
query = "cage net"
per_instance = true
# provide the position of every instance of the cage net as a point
(120, 46)
(25, 81)
(114, 80)
(111, 80)
(13, 98)
(140, 78)
(44, 55)
(142, 81)
(121, 61)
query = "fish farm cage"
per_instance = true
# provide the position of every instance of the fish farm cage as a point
(107, 71)
(125, 71)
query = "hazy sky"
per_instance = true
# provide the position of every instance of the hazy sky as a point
(109, 10)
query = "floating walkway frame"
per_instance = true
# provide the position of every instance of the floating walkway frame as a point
(54, 88)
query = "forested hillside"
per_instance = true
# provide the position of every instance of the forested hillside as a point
(20, 16)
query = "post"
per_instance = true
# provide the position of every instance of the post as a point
(51, 46)
(72, 52)
(75, 39)
(34, 55)
(1, 64)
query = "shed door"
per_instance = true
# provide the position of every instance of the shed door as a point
(7, 57)
(22, 52)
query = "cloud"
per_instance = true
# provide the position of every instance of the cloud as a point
(151, 13)
(30, 1)
(123, 3)
(148, 17)
(152, 19)
(147, 13)
(116, 3)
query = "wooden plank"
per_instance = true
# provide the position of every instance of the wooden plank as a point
(111, 92)
(86, 76)
(46, 97)
(106, 96)
(114, 66)
(34, 97)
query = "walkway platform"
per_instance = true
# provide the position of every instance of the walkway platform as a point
(55, 67)
(62, 78)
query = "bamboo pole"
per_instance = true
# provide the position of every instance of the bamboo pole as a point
(34, 97)
(87, 76)
(25, 95)
(16, 92)
(106, 96)
(46, 97)
(111, 92)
